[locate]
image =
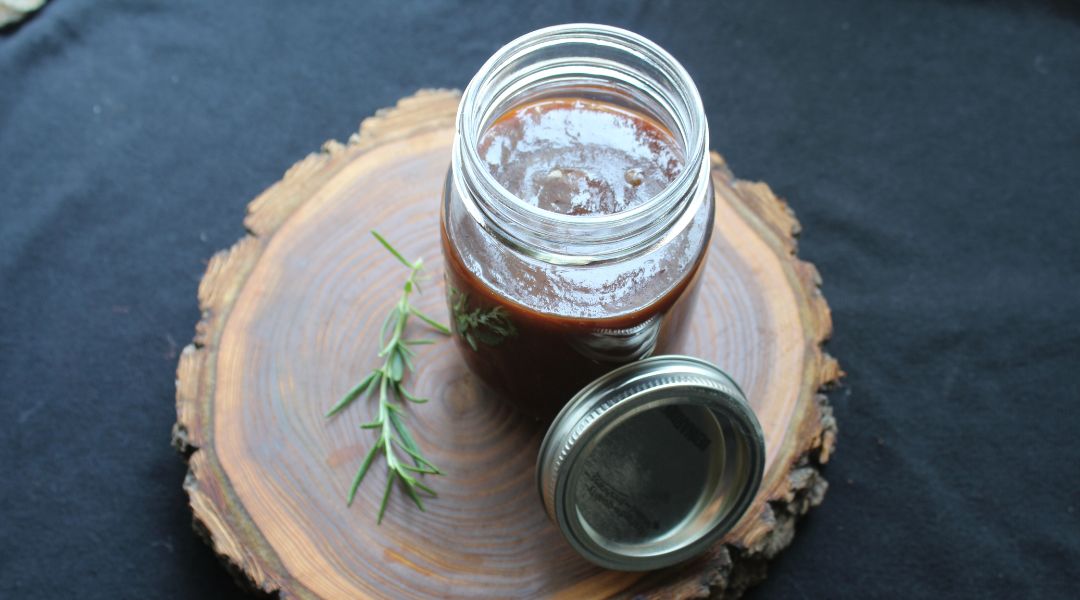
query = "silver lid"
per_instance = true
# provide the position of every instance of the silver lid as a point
(651, 463)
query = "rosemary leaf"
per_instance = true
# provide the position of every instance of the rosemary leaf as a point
(417, 342)
(382, 330)
(352, 395)
(397, 366)
(404, 393)
(405, 438)
(410, 488)
(386, 495)
(419, 457)
(394, 251)
(425, 488)
(360, 474)
(435, 324)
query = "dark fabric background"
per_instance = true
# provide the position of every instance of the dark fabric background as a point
(930, 149)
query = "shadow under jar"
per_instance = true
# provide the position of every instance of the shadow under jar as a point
(576, 213)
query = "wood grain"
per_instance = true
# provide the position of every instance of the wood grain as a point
(289, 318)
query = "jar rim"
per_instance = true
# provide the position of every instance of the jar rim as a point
(636, 227)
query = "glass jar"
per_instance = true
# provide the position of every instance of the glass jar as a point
(544, 300)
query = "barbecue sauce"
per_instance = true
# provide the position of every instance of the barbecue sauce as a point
(538, 332)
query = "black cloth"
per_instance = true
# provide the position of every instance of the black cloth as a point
(931, 151)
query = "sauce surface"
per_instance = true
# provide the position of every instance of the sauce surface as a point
(580, 157)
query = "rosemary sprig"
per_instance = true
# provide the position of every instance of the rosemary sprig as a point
(397, 353)
(489, 327)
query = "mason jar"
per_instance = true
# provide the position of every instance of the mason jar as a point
(576, 212)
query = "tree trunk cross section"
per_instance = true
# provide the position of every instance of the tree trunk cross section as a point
(290, 321)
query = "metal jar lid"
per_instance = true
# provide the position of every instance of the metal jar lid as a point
(651, 463)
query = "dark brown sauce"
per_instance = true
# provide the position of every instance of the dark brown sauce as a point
(538, 332)
(580, 157)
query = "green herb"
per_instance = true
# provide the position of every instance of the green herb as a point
(489, 327)
(397, 353)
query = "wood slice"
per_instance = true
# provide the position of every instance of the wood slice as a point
(290, 319)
